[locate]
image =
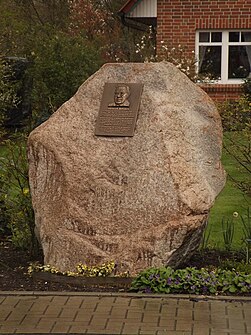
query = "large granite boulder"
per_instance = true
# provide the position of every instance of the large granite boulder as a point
(141, 201)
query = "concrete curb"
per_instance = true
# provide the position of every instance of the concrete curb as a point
(127, 295)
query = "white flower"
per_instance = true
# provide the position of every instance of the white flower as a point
(235, 214)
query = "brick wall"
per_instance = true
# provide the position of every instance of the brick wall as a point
(178, 21)
(220, 92)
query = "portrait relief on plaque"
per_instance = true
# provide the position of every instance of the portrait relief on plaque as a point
(121, 95)
(119, 109)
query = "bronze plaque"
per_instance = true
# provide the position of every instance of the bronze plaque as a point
(119, 109)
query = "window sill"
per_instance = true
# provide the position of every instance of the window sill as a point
(219, 82)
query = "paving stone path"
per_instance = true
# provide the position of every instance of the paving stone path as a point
(94, 313)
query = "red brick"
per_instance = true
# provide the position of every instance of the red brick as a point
(178, 20)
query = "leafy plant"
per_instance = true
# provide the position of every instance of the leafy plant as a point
(240, 266)
(205, 237)
(103, 270)
(60, 64)
(246, 226)
(15, 195)
(8, 91)
(58, 61)
(227, 232)
(192, 281)
(235, 114)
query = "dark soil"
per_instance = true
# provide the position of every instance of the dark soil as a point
(14, 264)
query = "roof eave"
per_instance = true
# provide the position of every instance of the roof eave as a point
(130, 4)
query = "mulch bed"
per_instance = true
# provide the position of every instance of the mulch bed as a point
(14, 263)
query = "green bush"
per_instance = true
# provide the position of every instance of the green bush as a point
(60, 64)
(15, 200)
(236, 114)
(58, 61)
(192, 281)
(8, 91)
(247, 88)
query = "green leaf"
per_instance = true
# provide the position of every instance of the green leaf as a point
(232, 289)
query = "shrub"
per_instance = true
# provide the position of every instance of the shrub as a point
(238, 146)
(247, 88)
(143, 49)
(8, 91)
(236, 114)
(236, 119)
(15, 196)
(178, 56)
(60, 64)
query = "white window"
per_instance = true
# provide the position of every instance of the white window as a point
(224, 56)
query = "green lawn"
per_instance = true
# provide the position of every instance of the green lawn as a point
(230, 200)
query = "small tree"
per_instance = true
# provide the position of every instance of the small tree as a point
(236, 119)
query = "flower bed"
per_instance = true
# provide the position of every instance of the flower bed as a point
(192, 281)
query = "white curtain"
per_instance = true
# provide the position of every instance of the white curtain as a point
(248, 51)
(202, 52)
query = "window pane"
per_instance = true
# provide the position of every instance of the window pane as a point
(246, 36)
(210, 61)
(234, 36)
(239, 61)
(204, 37)
(216, 37)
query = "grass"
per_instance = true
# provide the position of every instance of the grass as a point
(229, 201)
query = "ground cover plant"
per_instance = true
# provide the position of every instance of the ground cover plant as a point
(192, 281)
(14, 264)
(103, 270)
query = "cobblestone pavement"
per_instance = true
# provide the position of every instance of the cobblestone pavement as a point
(94, 313)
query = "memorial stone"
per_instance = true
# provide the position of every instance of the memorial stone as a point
(134, 185)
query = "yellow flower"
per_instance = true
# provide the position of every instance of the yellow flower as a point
(26, 191)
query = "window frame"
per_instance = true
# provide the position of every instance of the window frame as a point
(224, 52)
